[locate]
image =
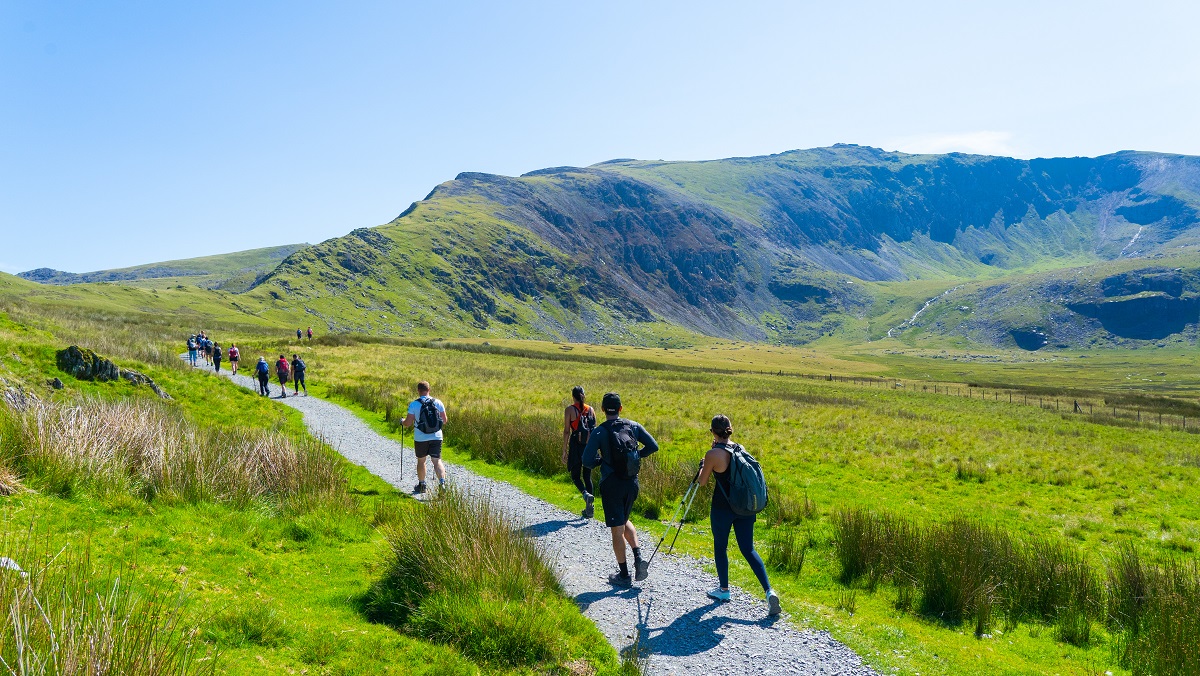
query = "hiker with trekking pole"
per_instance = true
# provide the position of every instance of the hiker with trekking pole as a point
(427, 416)
(740, 494)
(617, 447)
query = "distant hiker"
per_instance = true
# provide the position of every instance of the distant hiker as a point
(310, 333)
(614, 448)
(299, 335)
(724, 515)
(263, 371)
(192, 348)
(427, 417)
(282, 370)
(234, 355)
(206, 345)
(298, 368)
(216, 352)
(578, 421)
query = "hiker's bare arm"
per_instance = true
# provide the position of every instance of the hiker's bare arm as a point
(567, 420)
(715, 460)
(409, 420)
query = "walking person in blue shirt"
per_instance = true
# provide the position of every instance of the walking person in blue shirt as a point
(617, 447)
(427, 416)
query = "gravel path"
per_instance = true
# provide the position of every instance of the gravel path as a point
(683, 630)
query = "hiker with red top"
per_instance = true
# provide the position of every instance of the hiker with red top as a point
(578, 422)
(234, 355)
(283, 370)
(310, 333)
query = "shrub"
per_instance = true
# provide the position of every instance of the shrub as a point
(786, 552)
(1156, 610)
(458, 572)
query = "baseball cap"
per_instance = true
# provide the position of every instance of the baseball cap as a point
(611, 402)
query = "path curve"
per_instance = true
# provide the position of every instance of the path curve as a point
(684, 631)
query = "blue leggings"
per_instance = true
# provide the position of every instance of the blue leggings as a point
(743, 528)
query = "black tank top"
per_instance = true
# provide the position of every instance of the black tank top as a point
(719, 501)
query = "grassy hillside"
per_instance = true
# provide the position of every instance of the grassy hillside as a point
(215, 534)
(234, 272)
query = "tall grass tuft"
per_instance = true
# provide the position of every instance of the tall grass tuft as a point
(661, 484)
(459, 573)
(786, 551)
(531, 442)
(1156, 610)
(145, 449)
(64, 617)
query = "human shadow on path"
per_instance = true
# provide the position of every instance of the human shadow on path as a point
(692, 633)
(586, 599)
(544, 528)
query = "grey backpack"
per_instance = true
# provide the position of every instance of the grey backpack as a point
(747, 493)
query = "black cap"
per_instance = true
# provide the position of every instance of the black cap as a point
(611, 403)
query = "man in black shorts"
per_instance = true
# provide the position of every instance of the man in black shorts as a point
(616, 447)
(427, 416)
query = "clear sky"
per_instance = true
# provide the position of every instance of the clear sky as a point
(134, 132)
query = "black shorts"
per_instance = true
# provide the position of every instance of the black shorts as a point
(233, 360)
(617, 497)
(431, 448)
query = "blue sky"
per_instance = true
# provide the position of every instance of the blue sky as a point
(134, 132)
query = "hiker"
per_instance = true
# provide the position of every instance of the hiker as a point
(613, 447)
(298, 368)
(216, 353)
(310, 333)
(299, 335)
(427, 416)
(206, 346)
(716, 463)
(263, 371)
(578, 421)
(234, 355)
(282, 370)
(192, 348)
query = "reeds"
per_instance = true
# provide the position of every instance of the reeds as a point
(457, 572)
(145, 449)
(64, 617)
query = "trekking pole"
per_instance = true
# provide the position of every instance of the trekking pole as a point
(685, 504)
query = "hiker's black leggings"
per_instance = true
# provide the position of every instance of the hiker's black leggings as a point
(743, 529)
(582, 476)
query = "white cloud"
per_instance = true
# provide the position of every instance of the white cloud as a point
(974, 142)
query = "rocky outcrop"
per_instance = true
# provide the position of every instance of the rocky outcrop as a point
(84, 364)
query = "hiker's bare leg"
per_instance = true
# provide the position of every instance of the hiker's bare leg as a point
(420, 470)
(631, 535)
(438, 468)
(618, 542)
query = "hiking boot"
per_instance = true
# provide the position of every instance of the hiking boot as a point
(419, 488)
(589, 509)
(772, 602)
(640, 570)
(619, 580)
(719, 594)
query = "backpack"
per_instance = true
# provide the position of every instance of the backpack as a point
(584, 424)
(747, 494)
(217, 352)
(234, 353)
(622, 452)
(263, 369)
(428, 420)
(300, 367)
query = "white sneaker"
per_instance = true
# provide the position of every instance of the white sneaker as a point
(719, 594)
(772, 602)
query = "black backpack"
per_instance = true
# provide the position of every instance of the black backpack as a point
(622, 452)
(298, 367)
(429, 420)
(584, 424)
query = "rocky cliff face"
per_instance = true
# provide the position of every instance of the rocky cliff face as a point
(770, 247)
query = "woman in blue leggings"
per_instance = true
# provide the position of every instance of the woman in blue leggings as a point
(722, 518)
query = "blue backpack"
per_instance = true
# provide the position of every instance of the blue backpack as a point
(747, 494)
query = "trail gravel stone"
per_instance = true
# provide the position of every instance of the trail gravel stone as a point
(677, 627)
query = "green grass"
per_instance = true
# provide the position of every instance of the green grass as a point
(269, 568)
(833, 445)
